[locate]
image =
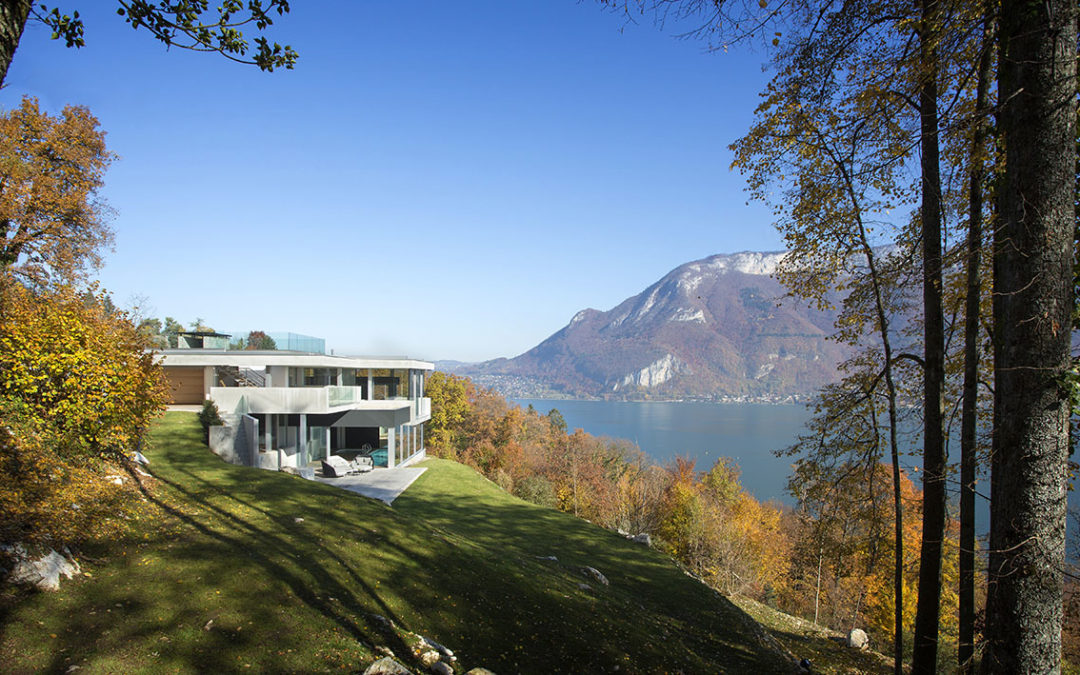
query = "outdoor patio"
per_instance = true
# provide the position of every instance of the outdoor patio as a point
(382, 484)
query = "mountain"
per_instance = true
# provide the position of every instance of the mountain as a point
(718, 328)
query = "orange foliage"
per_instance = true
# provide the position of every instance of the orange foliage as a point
(52, 226)
(853, 538)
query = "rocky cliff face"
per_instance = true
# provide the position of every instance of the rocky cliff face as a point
(716, 328)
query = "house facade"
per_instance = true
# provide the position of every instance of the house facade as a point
(291, 408)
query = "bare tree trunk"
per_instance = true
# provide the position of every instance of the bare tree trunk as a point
(972, 318)
(924, 656)
(894, 453)
(817, 590)
(13, 14)
(1033, 276)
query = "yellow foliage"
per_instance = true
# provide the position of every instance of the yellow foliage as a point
(78, 369)
(77, 391)
(50, 499)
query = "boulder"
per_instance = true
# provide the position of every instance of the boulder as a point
(441, 668)
(384, 621)
(387, 666)
(595, 574)
(479, 671)
(857, 639)
(431, 644)
(643, 539)
(45, 572)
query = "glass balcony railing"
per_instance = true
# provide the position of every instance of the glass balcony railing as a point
(301, 400)
(344, 395)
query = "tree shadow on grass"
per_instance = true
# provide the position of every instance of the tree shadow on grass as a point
(464, 567)
(493, 620)
(188, 637)
(191, 628)
(679, 615)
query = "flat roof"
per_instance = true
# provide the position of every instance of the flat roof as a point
(264, 358)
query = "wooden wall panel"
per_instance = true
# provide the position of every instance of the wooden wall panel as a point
(186, 385)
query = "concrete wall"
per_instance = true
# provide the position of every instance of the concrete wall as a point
(269, 459)
(224, 442)
(236, 442)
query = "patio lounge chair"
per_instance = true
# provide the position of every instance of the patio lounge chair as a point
(335, 466)
(362, 464)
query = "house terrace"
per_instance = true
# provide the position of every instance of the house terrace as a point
(289, 409)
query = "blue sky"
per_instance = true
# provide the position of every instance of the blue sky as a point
(438, 180)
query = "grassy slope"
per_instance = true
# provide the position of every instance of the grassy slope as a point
(825, 648)
(455, 559)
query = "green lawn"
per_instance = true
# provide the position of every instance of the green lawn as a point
(219, 576)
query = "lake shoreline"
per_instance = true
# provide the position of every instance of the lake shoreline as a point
(748, 433)
(756, 400)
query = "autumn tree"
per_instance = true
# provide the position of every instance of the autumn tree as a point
(186, 24)
(448, 408)
(52, 221)
(78, 389)
(78, 368)
(51, 496)
(974, 141)
(257, 339)
(827, 152)
(872, 74)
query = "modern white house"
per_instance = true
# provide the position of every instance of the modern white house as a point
(292, 408)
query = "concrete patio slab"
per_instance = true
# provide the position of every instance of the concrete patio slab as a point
(382, 484)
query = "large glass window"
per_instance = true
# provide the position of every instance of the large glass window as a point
(385, 385)
(391, 384)
(352, 377)
(319, 377)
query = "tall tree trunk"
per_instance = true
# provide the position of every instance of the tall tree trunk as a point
(972, 318)
(1033, 303)
(891, 397)
(894, 453)
(13, 14)
(924, 656)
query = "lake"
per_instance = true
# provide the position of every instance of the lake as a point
(745, 432)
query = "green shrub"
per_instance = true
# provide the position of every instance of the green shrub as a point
(209, 416)
(536, 489)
